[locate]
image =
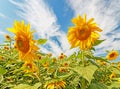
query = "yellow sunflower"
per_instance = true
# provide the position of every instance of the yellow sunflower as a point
(113, 75)
(6, 48)
(24, 41)
(7, 37)
(83, 33)
(112, 55)
(30, 67)
(55, 85)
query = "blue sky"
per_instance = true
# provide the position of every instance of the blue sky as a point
(51, 19)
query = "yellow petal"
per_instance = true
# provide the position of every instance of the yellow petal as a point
(84, 18)
(71, 36)
(75, 21)
(95, 35)
(12, 30)
(91, 20)
(77, 43)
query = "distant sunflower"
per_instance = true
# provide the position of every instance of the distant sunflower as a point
(55, 85)
(112, 55)
(24, 41)
(30, 67)
(84, 33)
(113, 75)
(7, 37)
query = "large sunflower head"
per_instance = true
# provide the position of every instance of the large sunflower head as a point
(112, 55)
(83, 33)
(24, 40)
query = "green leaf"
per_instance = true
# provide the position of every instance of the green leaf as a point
(92, 49)
(1, 78)
(41, 41)
(102, 59)
(97, 86)
(93, 63)
(2, 71)
(26, 86)
(36, 86)
(114, 85)
(97, 42)
(86, 72)
(72, 56)
(97, 58)
(22, 86)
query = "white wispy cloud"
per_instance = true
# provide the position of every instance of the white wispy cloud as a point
(2, 15)
(106, 14)
(43, 19)
(2, 32)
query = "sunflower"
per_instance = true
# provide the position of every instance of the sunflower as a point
(24, 41)
(7, 37)
(112, 55)
(113, 75)
(6, 48)
(55, 85)
(30, 67)
(46, 65)
(83, 33)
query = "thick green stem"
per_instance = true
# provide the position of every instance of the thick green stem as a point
(84, 64)
(83, 84)
(83, 59)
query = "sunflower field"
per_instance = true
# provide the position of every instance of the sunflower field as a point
(24, 66)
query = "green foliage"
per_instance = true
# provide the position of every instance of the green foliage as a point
(97, 42)
(86, 72)
(114, 85)
(2, 71)
(97, 86)
(26, 86)
(81, 70)
(41, 41)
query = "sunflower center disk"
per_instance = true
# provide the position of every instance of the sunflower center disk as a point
(29, 66)
(23, 45)
(83, 32)
(112, 55)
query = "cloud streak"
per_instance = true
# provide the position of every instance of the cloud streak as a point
(106, 14)
(43, 19)
(2, 15)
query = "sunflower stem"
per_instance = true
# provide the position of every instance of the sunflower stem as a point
(84, 64)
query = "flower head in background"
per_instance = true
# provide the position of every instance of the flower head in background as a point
(113, 75)
(7, 37)
(30, 67)
(112, 55)
(24, 41)
(55, 85)
(84, 33)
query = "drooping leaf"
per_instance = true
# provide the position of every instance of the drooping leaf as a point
(97, 58)
(41, 41)
(86, 72)
(93, 63)
(100, 58)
